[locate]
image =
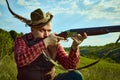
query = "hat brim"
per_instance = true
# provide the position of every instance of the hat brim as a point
(40, 24)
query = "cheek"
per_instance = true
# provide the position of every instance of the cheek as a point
(49, 33)
(38, 34)
(41, 35)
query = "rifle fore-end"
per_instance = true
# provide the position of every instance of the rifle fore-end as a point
(66, 34)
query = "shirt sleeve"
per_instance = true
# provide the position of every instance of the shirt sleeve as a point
(25, 54)
(68, 61)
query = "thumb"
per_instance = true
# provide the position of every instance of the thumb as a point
(59, 38)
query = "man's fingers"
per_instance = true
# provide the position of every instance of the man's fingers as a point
(81, 37)
(85, 35)
(78, 37)
(60, 38)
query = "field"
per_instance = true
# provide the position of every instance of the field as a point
(101, 71)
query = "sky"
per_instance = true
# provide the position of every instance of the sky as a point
(68, 14)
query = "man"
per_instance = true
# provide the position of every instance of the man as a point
(30, 50)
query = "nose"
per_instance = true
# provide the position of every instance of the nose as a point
(46, 34)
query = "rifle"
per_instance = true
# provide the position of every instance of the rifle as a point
(90, 31)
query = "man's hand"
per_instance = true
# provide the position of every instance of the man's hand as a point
(52, 40)
(78, 39)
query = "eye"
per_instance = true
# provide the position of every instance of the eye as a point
(49, 30)
(41, 30)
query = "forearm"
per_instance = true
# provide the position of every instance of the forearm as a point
(68, 61)
(74, 46)
(74, 56)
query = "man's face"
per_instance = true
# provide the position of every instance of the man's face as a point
(42, 32)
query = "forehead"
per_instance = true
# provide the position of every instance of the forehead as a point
(46, 27)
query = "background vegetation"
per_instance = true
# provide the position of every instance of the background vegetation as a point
(107, 69)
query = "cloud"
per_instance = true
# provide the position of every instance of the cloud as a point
(31, 4)
(65, 7)
(87, 2)
(105, 10)
(91, 9)
(2, 2)
(0, 14)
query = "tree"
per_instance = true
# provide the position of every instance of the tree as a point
(13, 34)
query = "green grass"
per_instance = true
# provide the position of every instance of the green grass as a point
(7, 68)
(101, 71)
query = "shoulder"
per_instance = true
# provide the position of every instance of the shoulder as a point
(19, 38)
(27, 35)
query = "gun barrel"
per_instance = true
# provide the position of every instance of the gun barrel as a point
(97, 30)
(91, 31)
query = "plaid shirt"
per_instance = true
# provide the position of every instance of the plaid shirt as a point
(25, 54)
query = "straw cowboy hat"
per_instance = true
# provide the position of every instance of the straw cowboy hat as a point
(38, 17)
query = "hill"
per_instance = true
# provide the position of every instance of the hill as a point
(100, 51)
